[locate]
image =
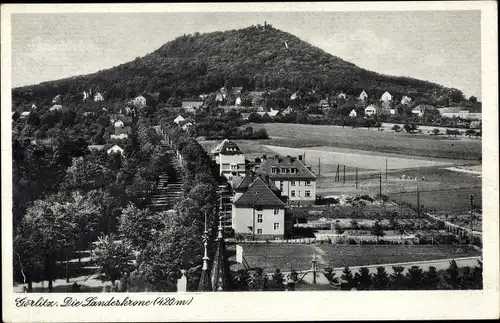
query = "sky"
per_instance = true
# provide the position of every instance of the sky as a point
(438, 46)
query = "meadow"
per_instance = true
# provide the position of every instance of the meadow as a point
(299, 256)
(299, 135)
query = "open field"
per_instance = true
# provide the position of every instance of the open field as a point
(297, 256)
(298, 135)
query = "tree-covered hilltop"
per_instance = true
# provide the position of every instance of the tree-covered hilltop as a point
(257, 57)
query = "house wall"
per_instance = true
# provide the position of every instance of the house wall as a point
(300, 189)
(245, 217)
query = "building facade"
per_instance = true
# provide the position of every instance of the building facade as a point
(259, 213)
(230, 159)
(294, 179)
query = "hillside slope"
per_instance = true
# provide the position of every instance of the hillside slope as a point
(257, 57)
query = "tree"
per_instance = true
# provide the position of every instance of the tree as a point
(380, 279)
(33, 119)
(410, 127)
(377, 230)
(363, 279)
(467, 279)
(470, 132)
(276, 283)
(259, 281)
(451, 275)
(112, 257)
(414, 278)
(472, 99)
(396, 128)
(431, 279)
(137, 225)
(347, 279)
(87, 175)
(339, 229)
(478, 275)
(435, 131)
(397, 278)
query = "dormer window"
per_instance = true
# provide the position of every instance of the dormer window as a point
(283, 170)
(274, 170)
(293, 170)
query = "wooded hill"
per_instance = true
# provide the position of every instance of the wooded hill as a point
(257, 57)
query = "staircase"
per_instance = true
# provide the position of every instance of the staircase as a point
(169, 186)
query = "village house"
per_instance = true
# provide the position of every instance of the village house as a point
(186, 126)
(179, 119)
(469, 113)
(139, 101)
(405, 100)
(342, 95)
(95, 147)
(219, 97)
(118, 136)
(363, 96)
(371, 110)
(294, 179)
(324, 104)
(386, 97)
(353, 113)
(230, 159)
(237, 101)
(98, 97)
(191, 106)
(123, 124)
(274, 113)
(57, 99)
(56, 107)
(244, 116)
(287, 111)
(294, 96)
(24, 115)
(259, 212)
(33, 106)
(116, 149)
(265, 117)
(420, 109)
(237, 90)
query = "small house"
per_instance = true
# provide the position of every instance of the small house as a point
(191, 105)
(353, 113)
(24, 115)
(56, 107)
(187, 125)
(237, 101)
(421, 109)
(116, 149)
(342, 95)
(57, 99)
(98, 97)
(33, 106)
(287, 111)
(405, 100)
(294, 96)
(139, 101)
(119, 136)
(95, 147)
(244, 116)
(363, 96)
(237, 89)
(386, 97)
(219, 97)
(274, 113)
(371, 110)
(179, 119)
(324, 104)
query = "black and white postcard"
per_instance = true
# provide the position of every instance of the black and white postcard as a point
(250, 161)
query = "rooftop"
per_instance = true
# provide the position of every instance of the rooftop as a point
(259, 194)
(288, 162)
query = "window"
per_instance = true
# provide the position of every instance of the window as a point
(292, 183)
(283, 170)
(281, 186)
(259, 218)
(258, 209)
(276, 226)
(234, 166)
(308, 193)
(299, 193)
(308, 183)
(276, 211)
(259, 231)
(274, 170)
(293, 193)
(293, 170)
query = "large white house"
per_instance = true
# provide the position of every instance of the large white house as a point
(179, 119)
(115, 149)
(258, 211)
(230, 159)
(294, 179)
(353, 113)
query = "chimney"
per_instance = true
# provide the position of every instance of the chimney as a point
(300, 157)
(309, 168)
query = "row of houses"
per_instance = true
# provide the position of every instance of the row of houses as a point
(264, 190)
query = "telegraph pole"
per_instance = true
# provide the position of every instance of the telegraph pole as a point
(471, 217)
(319, 166)
(418, 205)
(356, 178)
(386, 169)
(380, 184)
(344, 174)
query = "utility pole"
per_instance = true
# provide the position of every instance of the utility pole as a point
(380, 184)
(319, 166)
(356, 178)
(344, 174)
(418, 206)
(337, 176)
(386, 169)
(471, 218)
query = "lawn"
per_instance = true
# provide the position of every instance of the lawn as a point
(299, 256)
(298, 135)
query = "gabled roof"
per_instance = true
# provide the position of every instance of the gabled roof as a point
(259, 194)
(287, 162)
(423, 107)
(227, 147)
(242, 184)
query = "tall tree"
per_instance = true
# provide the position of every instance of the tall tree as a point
(452, 275)
(397, 278)
(380, 279)
(414, 278)
(363, 279)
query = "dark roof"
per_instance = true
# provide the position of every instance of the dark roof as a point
(126, 119)
(230, 148)
(259, 194)
(244, 183)
(301, 170)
